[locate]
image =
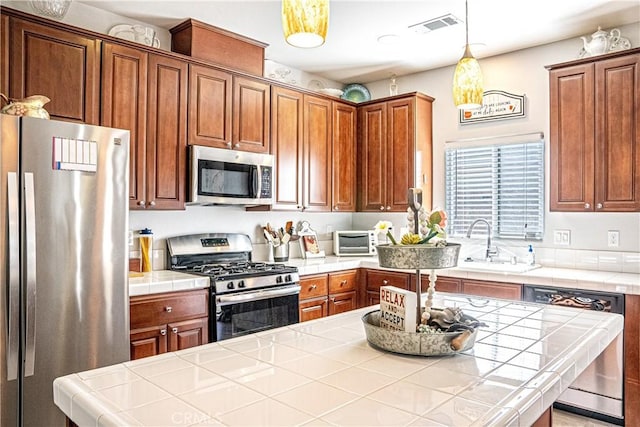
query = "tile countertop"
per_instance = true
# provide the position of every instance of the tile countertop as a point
(606, 281)
(324, 372)
(164, 281)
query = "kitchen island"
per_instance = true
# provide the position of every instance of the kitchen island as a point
(325, 372)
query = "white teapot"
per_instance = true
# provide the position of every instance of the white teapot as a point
(601, 42)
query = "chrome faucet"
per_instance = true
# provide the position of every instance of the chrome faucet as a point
(490, 252)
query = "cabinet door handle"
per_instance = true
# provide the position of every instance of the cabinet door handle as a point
(587, 206)
(163, 332)
(335, 208)
(381, 208)
(229, 144)
(344, 282)
(599, 206)
(385, 282)
(237, 145)
(314, 286)
(174, 330)
(152, 203)
(141, 203)
(388, 208)
(168, 309)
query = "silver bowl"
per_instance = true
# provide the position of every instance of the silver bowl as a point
(414, 343)
(413, 257)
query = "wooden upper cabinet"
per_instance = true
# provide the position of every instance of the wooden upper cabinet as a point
(572, 134)
(343, 165)
(395, 143)
(617, 168)
(4, 54)
(61, 65)
(287, 137)
(372, 150)
(594, 136)
(166, 133)
(124, 106)
(317, 154)
(313, 142)
(251, 113)
(400, 152)
(209, 107)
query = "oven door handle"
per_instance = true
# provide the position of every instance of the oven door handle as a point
(258, 295)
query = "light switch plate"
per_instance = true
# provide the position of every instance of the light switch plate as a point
(613, 238)
(562, 237)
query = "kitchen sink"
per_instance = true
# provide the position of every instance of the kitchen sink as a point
(495, 266)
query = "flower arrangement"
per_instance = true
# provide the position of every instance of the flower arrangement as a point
(430, 226)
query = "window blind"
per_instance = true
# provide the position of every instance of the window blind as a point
(503, 184)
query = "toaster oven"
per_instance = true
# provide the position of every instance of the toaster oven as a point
(355, 243)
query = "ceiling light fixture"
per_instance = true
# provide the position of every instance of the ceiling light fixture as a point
(467, 79)
(305, 22)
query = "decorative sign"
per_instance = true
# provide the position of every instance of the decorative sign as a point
(496, 105)
(309, 246)
(397, 309)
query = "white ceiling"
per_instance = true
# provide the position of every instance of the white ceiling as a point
(352, 52)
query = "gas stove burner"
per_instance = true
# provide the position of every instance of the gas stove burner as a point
(240, 267)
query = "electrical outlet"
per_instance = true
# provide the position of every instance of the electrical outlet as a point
(562, 237)
(613, 238)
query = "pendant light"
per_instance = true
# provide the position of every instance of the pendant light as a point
(305, 22)
(467, 79)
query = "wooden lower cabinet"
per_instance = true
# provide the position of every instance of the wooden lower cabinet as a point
(326, 294)
(313, 309)
(168, 322)
(492, 289)
(145, 342)
(447, 284)
(374, 279)
(343, 302)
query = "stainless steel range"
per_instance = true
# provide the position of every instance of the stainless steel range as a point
(246, 297)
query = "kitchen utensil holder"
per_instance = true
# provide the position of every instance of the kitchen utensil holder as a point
(280, 252)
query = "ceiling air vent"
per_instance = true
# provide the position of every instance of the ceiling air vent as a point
(435, 23)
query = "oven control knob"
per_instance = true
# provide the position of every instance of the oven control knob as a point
(287, 278)
(230, 285)
(241, 284)
(278, 279)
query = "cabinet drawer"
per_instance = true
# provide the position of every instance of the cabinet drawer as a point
(343, 282)
(492, 289)
(149, 310)
(314, 286)
(378, 278)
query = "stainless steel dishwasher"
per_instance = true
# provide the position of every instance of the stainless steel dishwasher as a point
(599, 391)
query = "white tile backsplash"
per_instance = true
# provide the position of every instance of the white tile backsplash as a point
(565, 258)
(631, 262)
(586, 260)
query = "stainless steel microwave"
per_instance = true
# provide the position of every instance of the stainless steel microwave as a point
(229, 177)
(355, 243)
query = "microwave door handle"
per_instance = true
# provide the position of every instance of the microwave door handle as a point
(254, 182)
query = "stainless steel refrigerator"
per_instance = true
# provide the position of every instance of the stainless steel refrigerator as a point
(63, 276)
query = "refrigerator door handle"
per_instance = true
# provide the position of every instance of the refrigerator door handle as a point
(30, 252)
(13, 303)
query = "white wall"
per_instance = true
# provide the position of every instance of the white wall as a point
(520, 72)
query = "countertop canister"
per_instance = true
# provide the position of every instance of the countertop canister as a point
(146, 246)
